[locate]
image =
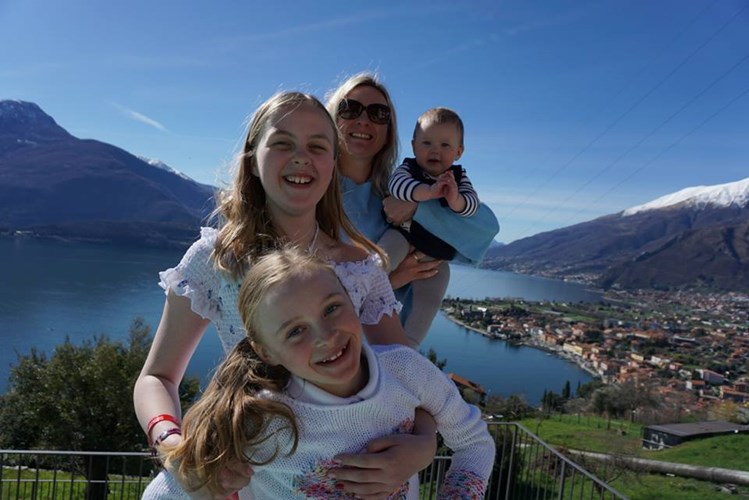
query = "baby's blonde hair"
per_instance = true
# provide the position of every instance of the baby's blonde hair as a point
(437, 116)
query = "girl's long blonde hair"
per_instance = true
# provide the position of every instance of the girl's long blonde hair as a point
(384, 160)
(246, 231)
(230, 419)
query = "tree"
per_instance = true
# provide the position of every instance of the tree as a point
(566, 390)
(514, 407)
(587, 389)
(604, 402)
(80, 399)
(431, 355)
(552, 402)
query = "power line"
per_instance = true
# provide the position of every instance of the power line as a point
(656, 129)
(651, 133)
(669, 147)
(613, 99)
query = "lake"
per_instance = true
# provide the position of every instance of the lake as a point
(53, 290)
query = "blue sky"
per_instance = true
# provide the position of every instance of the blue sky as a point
(572, 109)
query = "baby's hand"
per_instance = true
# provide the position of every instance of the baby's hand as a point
(450, 192)
(437, 190)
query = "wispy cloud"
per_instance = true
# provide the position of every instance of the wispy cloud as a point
(548, 22)
(140, 117)
(161, 61)
(243, 41)
(469, 46)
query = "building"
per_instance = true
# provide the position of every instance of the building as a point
(464, 383)
(733, 395)
(710, 376)
(657, 437)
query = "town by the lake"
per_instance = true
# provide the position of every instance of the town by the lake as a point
(689, 349)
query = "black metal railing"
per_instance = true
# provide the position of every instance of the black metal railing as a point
(525, 468)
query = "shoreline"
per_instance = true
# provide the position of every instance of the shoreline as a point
(555, 352)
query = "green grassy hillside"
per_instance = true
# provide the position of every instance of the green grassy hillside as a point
(622, 437)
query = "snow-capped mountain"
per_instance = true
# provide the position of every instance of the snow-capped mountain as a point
(697, 237)
(163, 166)
(53, 183)
(721, 195)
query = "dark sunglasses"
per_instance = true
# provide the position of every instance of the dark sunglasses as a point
(349, 109)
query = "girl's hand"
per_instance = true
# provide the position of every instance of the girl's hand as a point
(234, 478)
(398, 211)
(389, 462)
(411, 268)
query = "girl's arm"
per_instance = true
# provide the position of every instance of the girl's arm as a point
(461, 426)
(389, 461)
(379, 308)
(156, 391)
(388, 331)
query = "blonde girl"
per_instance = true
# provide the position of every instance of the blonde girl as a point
(285, 191)
(303, 386)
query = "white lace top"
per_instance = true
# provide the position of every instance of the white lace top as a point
(213, 295)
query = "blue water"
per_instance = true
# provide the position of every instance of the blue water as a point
(54, 289)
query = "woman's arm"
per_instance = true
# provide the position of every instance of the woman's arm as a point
(398, 211)
(411, 269)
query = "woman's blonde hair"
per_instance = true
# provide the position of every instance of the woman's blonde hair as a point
(384, 160)
(230, 419)
(246, 230)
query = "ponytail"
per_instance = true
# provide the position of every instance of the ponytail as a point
(236, 416)
(230, 419)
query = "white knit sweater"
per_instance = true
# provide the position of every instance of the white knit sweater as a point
(401, 380)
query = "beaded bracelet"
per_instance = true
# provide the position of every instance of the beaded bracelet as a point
(166, 434)
(159, 440)
(159, 418)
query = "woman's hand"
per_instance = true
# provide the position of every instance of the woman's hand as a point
(398, 211)
(412, 268)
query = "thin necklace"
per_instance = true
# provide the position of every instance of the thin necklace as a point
(314, 238)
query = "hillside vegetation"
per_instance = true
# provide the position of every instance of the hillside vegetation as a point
(592, 433)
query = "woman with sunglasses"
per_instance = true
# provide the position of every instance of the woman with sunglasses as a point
(366, 119)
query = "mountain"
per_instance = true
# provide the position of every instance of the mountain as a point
(695, 238)
(52, 183)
